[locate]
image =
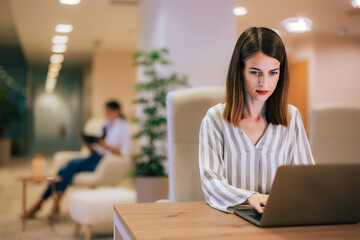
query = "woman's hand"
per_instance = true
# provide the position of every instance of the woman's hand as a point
(90, 147)
(258, 200)
(103, 144)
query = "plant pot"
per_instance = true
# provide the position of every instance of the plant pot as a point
(5, 148)
(151, 189)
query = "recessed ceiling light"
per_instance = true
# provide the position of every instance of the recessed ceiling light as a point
(355, 3)
(60, 39)
(49, 90)
(50, 82)
(58, 48)
(63, 28)
(238, 11)
(70, 2)
(54, 66)
(56, 58)
(53, 74)
(299, 24)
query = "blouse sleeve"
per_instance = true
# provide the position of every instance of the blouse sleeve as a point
(301, 147)
(219, 194)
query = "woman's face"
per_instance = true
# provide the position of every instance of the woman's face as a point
(261, 74)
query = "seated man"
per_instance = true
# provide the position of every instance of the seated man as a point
(115, 140)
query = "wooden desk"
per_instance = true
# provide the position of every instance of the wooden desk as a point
(196, 220)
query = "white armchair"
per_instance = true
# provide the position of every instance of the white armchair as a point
(111, 169)
(185, 111)
(335, 133)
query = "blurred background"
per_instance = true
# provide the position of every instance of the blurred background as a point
(200, 36)
(62, 60)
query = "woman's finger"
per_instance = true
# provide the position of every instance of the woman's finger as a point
(258, 208)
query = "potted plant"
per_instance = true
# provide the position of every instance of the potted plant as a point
(11, 111)
(151, 180)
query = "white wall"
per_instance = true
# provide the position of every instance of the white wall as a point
(200, 36)
(334, 68)
(336, 71)
(113, 76)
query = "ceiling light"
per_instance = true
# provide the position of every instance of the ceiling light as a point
(60, 39)
(58, 48)
(50, 82)
(49, 90)
(54, 66)
(70, 2)
(56, 58)
(53, 74)
(299, 24)
(355, 3)
(50, 85)
(63, 28)
(238, 11)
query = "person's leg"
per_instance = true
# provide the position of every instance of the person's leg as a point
(80, 165)
(34, 209)
(66, 173)
(47, 193)
(55, 209)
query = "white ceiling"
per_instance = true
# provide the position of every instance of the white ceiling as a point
(115, 26)
(327, 15)
(97, 23)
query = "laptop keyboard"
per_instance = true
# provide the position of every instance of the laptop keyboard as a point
(256, 215)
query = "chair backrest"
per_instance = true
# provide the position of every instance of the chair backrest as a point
(335, 134)
(185, 111)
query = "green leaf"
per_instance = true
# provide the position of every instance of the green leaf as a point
(163, 50)
(154, 55)
(135, 120)
(150, 110)
(138, 54)
(152, 95)
(164, 62)
(140, 101)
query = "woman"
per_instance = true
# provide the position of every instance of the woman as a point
(244, 141)
(115, 140)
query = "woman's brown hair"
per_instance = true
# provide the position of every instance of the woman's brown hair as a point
(251, 41)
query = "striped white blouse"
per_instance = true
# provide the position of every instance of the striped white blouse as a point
(232, 168)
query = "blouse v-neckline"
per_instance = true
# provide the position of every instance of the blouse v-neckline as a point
(256, 145)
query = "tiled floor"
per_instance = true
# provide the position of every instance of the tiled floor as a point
(38, 228)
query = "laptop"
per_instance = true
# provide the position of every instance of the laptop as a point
(310, 195)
